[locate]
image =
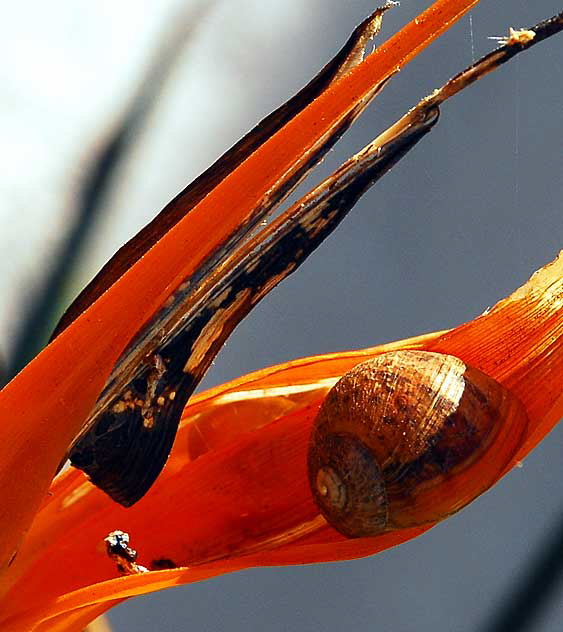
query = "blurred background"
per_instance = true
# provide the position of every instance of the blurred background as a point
(463, 220)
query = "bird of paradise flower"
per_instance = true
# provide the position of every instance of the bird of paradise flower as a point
(274, 520)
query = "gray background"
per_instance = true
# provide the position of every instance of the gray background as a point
(461, 222)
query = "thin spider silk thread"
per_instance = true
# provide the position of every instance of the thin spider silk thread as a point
(471, 38)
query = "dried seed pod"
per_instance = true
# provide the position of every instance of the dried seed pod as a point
(409, 438)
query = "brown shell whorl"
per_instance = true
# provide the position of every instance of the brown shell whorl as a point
(348, 486)
(409, 438)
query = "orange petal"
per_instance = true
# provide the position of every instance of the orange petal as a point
(519, 343)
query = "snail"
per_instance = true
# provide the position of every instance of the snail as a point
(407, 439)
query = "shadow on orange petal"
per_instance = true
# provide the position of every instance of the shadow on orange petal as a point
(234, 493)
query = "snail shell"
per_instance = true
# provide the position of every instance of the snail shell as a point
(409, 438)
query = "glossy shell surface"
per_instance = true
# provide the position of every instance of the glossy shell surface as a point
(409, 438)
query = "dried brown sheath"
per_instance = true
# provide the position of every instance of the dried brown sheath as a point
(129, 436)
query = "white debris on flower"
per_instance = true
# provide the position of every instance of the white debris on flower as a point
(515, 36)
